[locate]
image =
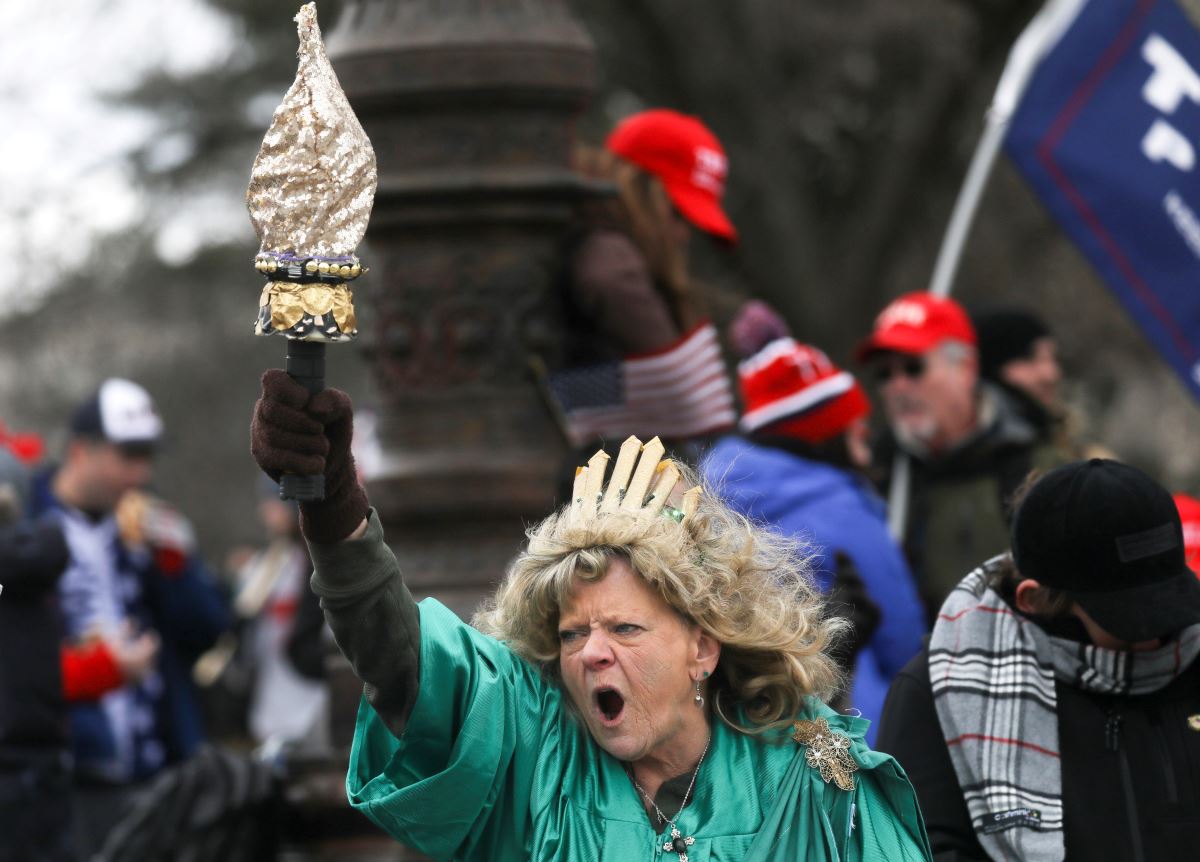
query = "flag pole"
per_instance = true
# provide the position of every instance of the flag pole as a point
(1035, 41)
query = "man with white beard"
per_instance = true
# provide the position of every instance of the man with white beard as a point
(968, 446)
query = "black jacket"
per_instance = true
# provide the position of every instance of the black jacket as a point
(1125, 760)
(32, 712)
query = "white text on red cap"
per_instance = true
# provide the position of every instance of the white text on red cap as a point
(902, 313)
(709, 170)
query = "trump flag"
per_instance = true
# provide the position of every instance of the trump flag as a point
(1107, 133)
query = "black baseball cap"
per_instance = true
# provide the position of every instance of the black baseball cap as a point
(1110, 536)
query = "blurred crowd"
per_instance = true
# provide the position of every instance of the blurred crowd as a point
(119, 645)
(1025, 626)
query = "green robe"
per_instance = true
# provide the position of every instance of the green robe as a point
(492, 766)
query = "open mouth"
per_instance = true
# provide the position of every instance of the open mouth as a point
(610, 703)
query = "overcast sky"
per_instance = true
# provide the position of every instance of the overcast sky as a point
(61, 172)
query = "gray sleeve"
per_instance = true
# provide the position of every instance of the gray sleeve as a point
(374, 619)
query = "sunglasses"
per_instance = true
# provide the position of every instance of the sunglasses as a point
(911, 367)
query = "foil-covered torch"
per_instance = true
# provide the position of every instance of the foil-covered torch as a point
(310, 196)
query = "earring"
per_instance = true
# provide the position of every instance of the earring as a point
(699, 699)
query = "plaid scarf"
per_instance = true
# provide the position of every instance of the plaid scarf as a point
(993, 673)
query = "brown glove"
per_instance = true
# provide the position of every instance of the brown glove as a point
(293, 432)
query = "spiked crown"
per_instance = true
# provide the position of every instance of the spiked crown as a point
(641, 485)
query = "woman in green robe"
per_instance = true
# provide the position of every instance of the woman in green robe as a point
(646, 684)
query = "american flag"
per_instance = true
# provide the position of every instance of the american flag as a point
(680, 390)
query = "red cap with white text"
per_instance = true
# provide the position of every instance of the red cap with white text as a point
(687, 159)
(916, 323)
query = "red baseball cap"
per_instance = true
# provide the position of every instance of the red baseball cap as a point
(916, 323)
(1189, 514)
(688, 160)
(794, 390)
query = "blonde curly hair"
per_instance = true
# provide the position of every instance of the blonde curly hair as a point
(749, 588)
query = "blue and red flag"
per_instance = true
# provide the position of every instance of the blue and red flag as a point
(1108, 135)
(680, 390)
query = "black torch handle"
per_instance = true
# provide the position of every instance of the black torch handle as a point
(305, 365)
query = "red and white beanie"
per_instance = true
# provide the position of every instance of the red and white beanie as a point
(794, 390)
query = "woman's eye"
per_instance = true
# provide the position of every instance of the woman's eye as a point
(567, 636)
(626, 628)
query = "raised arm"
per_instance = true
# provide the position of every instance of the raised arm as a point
(371, 612)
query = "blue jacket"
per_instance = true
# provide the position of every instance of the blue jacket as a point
(187, 611)
(834, 510)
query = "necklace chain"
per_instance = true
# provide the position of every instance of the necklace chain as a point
(662, 817)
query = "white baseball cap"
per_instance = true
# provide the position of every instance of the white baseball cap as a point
(120, 412)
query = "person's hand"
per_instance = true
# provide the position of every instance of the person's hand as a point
(848, 598)
(293, 432)
(754, 327)
(236, 560)
(135, 655)
(144, 520)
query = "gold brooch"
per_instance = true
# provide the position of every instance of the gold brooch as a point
(828, 751)
(1194, 722)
